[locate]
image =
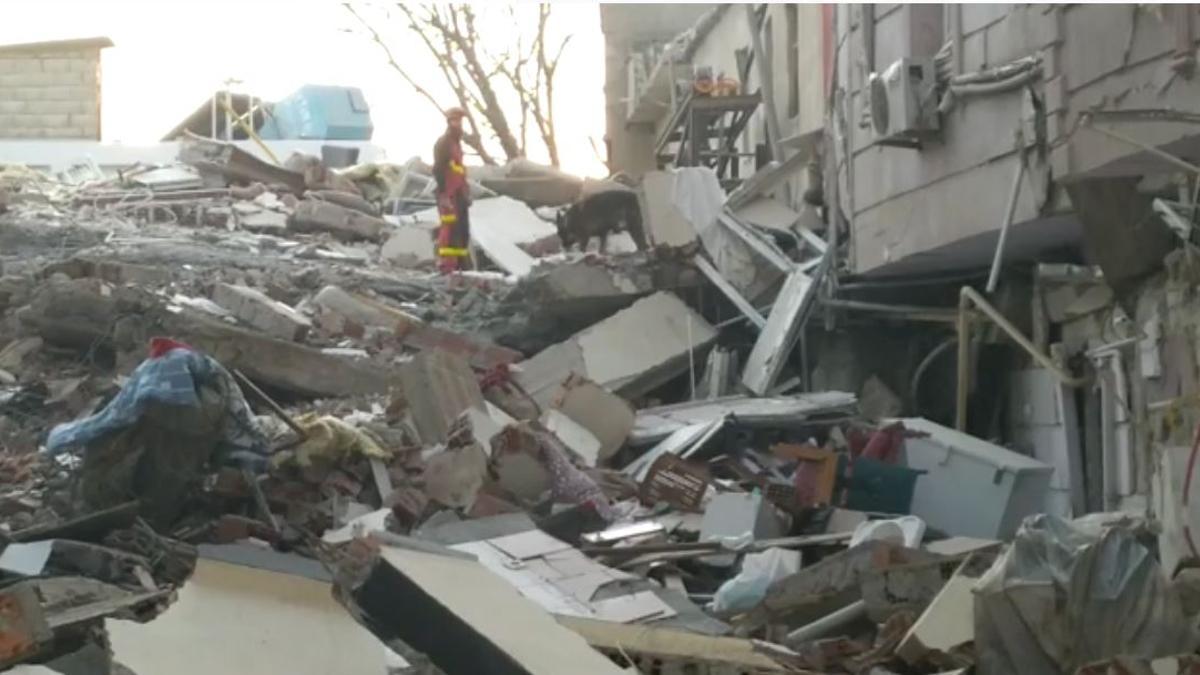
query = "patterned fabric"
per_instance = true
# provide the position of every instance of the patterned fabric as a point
(568, 483)
(173, 379)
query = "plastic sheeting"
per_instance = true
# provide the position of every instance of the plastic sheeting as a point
(759, 570)
(1069, 593)
(907, 531)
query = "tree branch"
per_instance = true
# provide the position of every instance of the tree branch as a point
(466, 101)
(479, 77)
(378, 39)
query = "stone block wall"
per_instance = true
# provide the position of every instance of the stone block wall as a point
(50, 93)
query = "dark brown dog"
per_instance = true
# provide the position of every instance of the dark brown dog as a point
(599, 215)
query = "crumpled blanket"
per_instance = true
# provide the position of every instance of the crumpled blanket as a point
(170, 376)
(331, 440)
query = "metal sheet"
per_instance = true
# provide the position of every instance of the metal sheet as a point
(627, 531)
(766, 249)
(655, 424)
(730, 292)
(676, 443)
(775, 342)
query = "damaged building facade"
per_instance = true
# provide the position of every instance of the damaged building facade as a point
(1005, 147)
(1012, 147)
(899, 377)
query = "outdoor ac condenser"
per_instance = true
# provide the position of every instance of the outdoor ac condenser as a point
(903, 102)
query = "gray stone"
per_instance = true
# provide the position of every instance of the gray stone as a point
(254, 308)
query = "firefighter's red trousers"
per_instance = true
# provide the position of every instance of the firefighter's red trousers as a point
(454, 236)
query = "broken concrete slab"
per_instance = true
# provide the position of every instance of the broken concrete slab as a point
(573, 435)
(81, 314)
(685, 204)
(500, 227)
(223, 163)
(629, 353)
(607, 416)
(342, 223)
(905, 588)
(438, 387)
(830, 584)
(532, 183)
(513, 220)
(655, 424)
(409, 247)
(14, 355)
(263, 222)
(665, 224)
(238, 586)
(454, 476)
(258, 310)
(341, 312)
(564, 295)
(947, 626)
(278, 363)
(345, 199)
(112, 271)
(774, 345)
(463, 617)
(578, 285)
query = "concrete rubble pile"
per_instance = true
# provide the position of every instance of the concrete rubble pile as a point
(550, 465)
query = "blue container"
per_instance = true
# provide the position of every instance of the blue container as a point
(320, 112)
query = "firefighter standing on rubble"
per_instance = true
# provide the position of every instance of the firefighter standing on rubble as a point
(453, 196)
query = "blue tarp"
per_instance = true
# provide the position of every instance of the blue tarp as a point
(172, 379)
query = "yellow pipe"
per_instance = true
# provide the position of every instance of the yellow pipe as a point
(967, 298)
(249, 131)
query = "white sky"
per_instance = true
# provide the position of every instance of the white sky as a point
(171, 54)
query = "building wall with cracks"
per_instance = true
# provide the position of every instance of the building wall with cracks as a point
(936, 207)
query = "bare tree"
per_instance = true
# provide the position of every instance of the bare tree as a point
(487, 85)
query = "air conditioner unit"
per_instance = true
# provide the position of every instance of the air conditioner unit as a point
(903, 102)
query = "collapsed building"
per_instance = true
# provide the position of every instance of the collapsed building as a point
(1003, 148)
(902, 381)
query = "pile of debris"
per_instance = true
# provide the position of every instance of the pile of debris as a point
(551, 465)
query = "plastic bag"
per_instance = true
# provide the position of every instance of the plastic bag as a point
(1070, 593)
(906, 530)
(759, 571)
